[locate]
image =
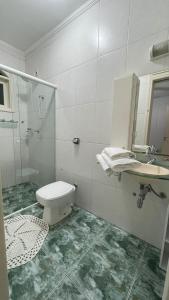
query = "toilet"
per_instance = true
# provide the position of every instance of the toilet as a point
(57, 199)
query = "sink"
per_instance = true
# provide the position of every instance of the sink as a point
(150, 171)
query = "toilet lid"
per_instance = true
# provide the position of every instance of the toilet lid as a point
(55, 190)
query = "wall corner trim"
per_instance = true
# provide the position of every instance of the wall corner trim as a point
(82, 9)
(19, 54)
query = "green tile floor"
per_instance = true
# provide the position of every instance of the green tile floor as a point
(86, 258)
(18, 196)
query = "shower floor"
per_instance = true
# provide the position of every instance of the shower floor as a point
(18, 196)
(86, 258)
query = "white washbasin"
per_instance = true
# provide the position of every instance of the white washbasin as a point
(149, 170)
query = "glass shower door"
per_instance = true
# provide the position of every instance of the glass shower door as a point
(37, 131)
(27, 152)
(10, 155)
(25, 188)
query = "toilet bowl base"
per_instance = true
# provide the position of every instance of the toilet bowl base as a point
(54, 215)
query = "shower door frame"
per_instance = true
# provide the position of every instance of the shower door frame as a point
(25, 75)
(4, 285)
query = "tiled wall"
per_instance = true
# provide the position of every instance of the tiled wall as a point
(110, 39)
(12, 57)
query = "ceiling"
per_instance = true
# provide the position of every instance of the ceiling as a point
(23, 22)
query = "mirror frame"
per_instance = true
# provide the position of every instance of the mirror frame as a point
(152, 78)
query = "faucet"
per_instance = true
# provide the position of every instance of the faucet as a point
(151, 150)
(151, 161)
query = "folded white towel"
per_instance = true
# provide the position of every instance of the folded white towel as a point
(103, 164)
(121, 164)
(115, 153)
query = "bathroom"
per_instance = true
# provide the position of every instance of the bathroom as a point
(60, 74)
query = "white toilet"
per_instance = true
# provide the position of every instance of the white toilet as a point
(57, 199)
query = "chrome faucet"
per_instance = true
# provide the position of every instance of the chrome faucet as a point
(151, 150)
(151, 161)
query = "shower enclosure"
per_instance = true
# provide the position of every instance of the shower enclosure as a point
(27, 141)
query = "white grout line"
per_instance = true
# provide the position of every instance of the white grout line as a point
(99, 238)
(70, 270)
(20, 210)
(128, 34)
(136, 274)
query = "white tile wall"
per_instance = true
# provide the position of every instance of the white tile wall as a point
(82, 159)
(110, 66)
(103, 117)
(66, 89)
(11, 56)
(85, 83)
(148, 17)
(65, 124)
(114, 18)
(108, 40)
(85, 122)
(64, 156)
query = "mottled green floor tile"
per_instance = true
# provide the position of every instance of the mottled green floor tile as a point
(105, 272)
(36, 279)
(86, 258)
(150, 280)
(18, 197)
(69, 242)
(68, 290)
(90, 223)
(129, 244)
(35, 210)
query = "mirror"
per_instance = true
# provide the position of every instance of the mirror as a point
(152, 122)
(1, 94)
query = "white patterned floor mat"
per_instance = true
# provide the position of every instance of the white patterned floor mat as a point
(24, 237)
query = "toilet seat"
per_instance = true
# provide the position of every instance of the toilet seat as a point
(53, 191)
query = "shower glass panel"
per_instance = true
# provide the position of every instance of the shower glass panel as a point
(27, 133)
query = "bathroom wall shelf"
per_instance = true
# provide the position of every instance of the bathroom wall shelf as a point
(165, 244)
(24, 172)
(8, 124)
